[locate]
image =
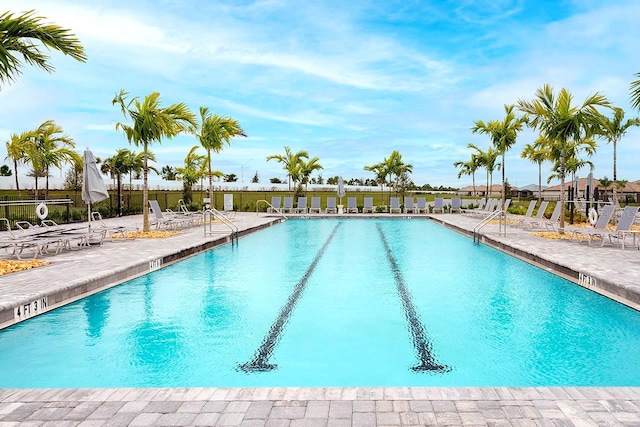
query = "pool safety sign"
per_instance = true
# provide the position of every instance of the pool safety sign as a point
(33, 308)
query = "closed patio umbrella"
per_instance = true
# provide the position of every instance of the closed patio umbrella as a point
(93, 188)
(341, 190)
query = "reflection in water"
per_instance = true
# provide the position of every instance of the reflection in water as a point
(96, 310)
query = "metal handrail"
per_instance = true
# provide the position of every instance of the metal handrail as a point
(278, 210)
(481, 224)
(213, 212)
(35, 202)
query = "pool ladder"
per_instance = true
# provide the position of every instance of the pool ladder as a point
(212, 213)
(277, 210)
(485, 221)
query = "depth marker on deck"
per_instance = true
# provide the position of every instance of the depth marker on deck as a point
(260, 361)
(420, 341)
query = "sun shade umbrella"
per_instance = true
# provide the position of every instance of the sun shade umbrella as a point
(93, 188)
(341, 190)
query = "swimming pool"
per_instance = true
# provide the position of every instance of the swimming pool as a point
(354, 302)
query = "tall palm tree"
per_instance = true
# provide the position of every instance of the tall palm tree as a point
(396, 166)
(537, 154)
(381, 172)
(20, 37)
(47, 148)
(614, 129)
(290, 162)
(561, 123)
(194, 168)
(151, 123)
(503, 134)
(635, 92)
(214, 132)
(487, 160)
(16, 146)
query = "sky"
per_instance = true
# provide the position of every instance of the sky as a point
(349, 82)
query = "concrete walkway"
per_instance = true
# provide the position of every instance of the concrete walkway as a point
(74, 274)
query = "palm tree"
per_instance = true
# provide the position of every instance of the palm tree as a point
(213, 133)
(290, 162)
(16, 146)
(46, 149)
(19, 37)
(537, 154)
(381, 172)
(503, 136)
(151, 123)
(307, 168)
(560, 123)
(487, 160)
(468, 168)
(635, 92)
(396, 167)
(614, 129)
(605, 182)
(194, 168)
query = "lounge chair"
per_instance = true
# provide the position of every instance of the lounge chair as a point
(301, 207)
(409, 206)
(421, 205)
(275, 205)
(15, 245)
(161, 221)
(122, 233)
(331, 205)
(368, 205)
(529, 223)
(287, 205)
(553, 223)
(352, 207)
(438, 205)
(518, 220)
(394, 205)
(315, 205)
(472, 211)
(456, 204)
(600, 228)
(623, 229)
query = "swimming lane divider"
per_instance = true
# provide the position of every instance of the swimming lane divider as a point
(420, 340)
(260, 361)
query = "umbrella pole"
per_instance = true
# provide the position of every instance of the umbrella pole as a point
(89, 214)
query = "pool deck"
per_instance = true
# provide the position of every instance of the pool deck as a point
(74, 274)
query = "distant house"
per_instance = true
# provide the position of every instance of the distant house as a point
(631, 191)
(481, 191)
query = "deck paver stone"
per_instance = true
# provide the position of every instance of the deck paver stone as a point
(443, 406)
(427, 418)
(364, 419)
(340, 409)
(206, 419)
(388, 418)
(145, 419)
(163, 407)
(338, 422)
(318, 409)
(182, 419)
(364, 406)
(287, 412)
(259, 409)
(271, 422)
(241, 406)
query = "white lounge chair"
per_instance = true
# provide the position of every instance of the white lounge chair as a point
(421, 205)
(528, 223)
(287, 205)
(331, 205)
(599, 229)
(301, 207)
(438, 205)
(623, 229)
(166, 222)
(368, 205)
(352, 207)
(456, 204)
(315, 205)
(518, 220)
(409, 206)
(394, 205)
(275, 205)
(123, 233)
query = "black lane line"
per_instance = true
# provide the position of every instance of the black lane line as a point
(260, 361)
(420, 340)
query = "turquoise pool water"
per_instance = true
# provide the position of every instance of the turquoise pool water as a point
(357, 302)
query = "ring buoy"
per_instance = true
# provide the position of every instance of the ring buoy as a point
(42, 211)
(593, 216)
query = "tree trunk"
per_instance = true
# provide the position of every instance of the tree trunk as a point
(210, 179)
(615, 183)
(473, 180)
(562, 197)
(46, 182)
(145, 192)
(539, 181)
(15, 167)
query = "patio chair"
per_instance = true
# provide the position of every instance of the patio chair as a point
(623, 229)
(301, 207)
(438, 205)
(161, 221)
(368, 205)
(553, 223)
(409, 206)
(421, 205)
(600, 230)
(287, 205)
(331, 205)
(121, 232)
(472, 211)
(394, 205)
(528, 223)
(518, 220)
(315, 205)
(456, 204)
(15, 245)
(352, 207)
(275, 205)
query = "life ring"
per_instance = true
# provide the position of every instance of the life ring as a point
(593, 216)
(42, 211)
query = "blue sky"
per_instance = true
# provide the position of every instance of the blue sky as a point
(347, 81)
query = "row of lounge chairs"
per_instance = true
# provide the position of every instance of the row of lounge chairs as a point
(417, 206)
